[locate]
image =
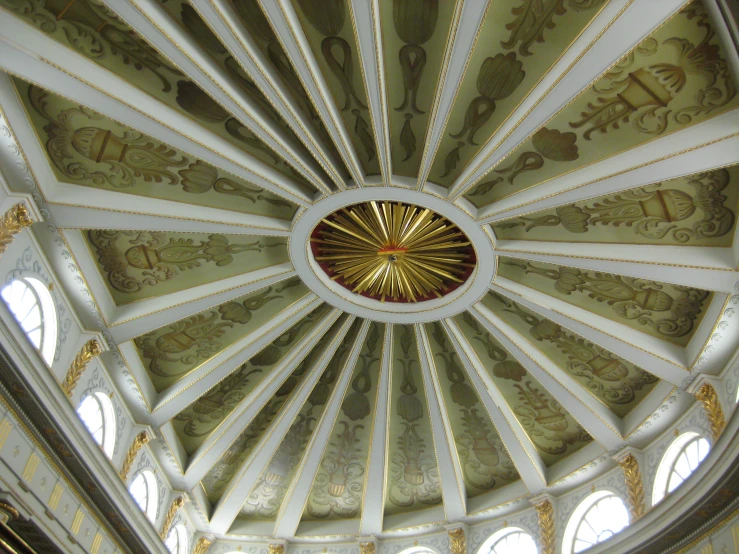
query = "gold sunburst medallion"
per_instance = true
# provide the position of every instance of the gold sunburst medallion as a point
(393, 251)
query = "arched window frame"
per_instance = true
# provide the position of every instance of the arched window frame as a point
(177, 541)
(495, 543)
(108, 427)
(149, 504)
(48, 326)
(581, 513)
(666, 467)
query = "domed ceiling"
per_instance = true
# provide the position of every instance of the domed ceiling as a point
(380, 265)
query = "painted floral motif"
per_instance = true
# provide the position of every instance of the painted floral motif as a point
(669, 312)
(338, 486)
(327, 29)
(655, 212)
(552, 430)
(89, 149)
(485, 462)
(618, 383)
(675, 78)
(413, 477)
(153, 257)
(198, 420)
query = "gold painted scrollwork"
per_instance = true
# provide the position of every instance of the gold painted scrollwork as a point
(12, 223)
(89, 351)
(634, 485)
(141, 439)
(177, 503)
(202, 546)
(367, 547)
(276, 549)
(458, 541)
(708, 397)
(545, 512)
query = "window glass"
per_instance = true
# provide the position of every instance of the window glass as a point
(177, 541)
(97, 413)
(143, 489)
(33, 308)
(510, 540)
(681, 459)
(596, 519)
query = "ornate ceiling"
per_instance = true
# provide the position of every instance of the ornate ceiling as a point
(379, 265)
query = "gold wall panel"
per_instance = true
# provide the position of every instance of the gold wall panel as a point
(675, 78)
(143, 264)
(485, 463)
(220, 475)
(551, 428)
(617, 383)
(338, 485)
(170, 352)
(698, 210)
(412, 474)
(414, 38)
(91, 29)
(89, 149)
(667, 312)
(330, 32)
(518, 43)
(195, 423)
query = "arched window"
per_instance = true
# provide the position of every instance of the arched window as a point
(681, 459)
(33, 307)
(177, 542)
(144, 491)
(597, 518)
(417, 550)
(511, 540)
(97, 413)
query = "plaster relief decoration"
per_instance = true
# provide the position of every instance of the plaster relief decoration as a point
(221, 474)
(169, 353)
(668, 312)
(517, 43)
(697, 210)
(553, 431)
(485, 462)
(338, 485)
(266, 498)
(196, 422)
(619, 384)
(86, 148)
(413, 476)
(675, 78)
(93, 30)
(140, 264)
(415, 34)
(329, 28)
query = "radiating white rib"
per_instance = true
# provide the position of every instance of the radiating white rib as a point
(708, 145)
(656, 356)
(290, 34)
(450, 470)
(373, 504)
(524, 455)
(589, 412)
(689, 266)
(243, 482)
(468, 17)
(229, 429)
(226, 24)
(36, 57)
(365, 13)
(297, 493)
(184, 392)
(590, 61)
(149, 19)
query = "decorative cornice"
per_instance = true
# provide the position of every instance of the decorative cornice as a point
(12, 223)
(711, 404)
(634, 485)
(545, 512)
(458, 541)
(89, 351)
(202, 546)
(177, 503)
(141, 439)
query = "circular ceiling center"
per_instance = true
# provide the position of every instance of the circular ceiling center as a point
(393, 251)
